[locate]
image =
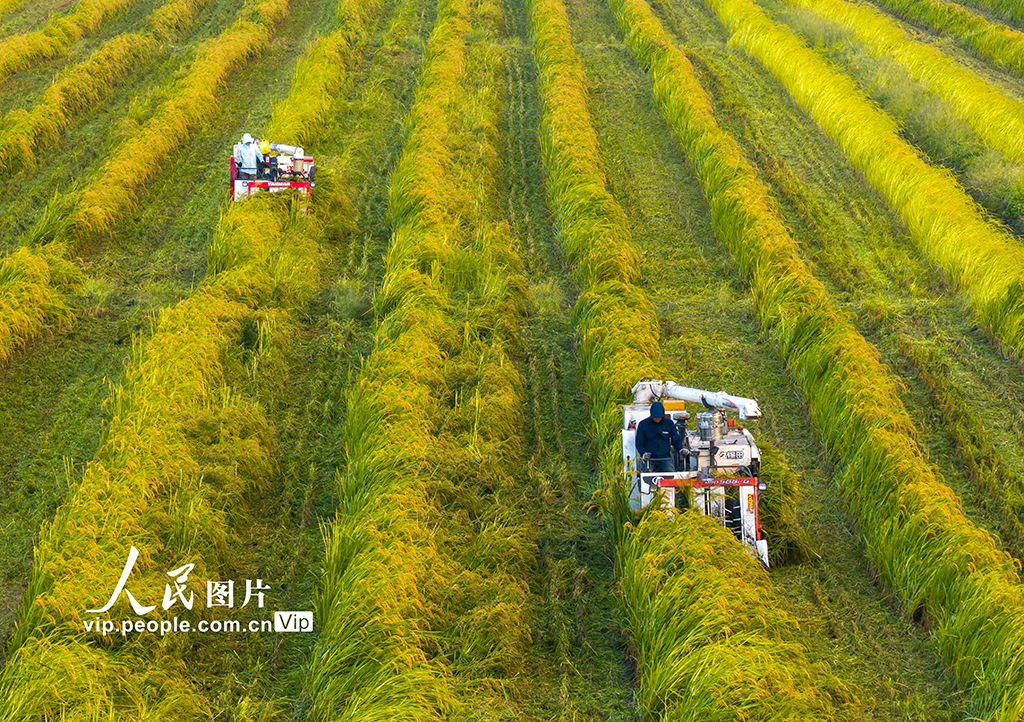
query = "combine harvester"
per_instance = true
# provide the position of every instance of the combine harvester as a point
(717, 469)
(283, 167)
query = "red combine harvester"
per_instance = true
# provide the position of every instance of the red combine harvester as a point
(284, 167)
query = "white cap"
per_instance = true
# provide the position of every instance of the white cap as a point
(247, 138)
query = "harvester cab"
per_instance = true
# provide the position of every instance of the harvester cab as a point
(284, 167)
(717, 471)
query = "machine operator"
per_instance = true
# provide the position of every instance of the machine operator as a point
(656, 436)
(248, 157)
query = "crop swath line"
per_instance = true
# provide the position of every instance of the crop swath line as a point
(60, 33)
(977, 255)
(23, 133)
(917, 536)
(684, 580)
(157, 482)
(995, 116)
(1003, 45)
(1009, 9)
(71, 219)
(9, 6)
(423, 608)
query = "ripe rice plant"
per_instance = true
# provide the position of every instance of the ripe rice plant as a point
(977, 255)
(1002, 45)
(1009, 9)
(149, 483)
(9, 6)
(423, 601)
(1001, 488)
(156, 484)
(30, 297)
(175, 17)
(60, 33)
(24, 132)
(684, 581)
(996, 117)
(919, 540)
(71, 218)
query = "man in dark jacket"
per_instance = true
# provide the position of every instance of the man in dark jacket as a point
(657, 436)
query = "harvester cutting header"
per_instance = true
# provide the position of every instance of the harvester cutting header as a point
(259, 165)
(712, 469)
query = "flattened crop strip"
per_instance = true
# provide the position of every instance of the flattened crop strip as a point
(918, 538)
(87, 84)
(950, 229)
(1002, 45)
(159, 483)
(71, 219)
(60, 33)
(700, 611)
(423, 599)
(995, 116)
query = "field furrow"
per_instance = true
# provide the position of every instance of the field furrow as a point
(23, 133)
(225, 345)
(864, 257)
(60, 33)
(710, 337)
(853, 400)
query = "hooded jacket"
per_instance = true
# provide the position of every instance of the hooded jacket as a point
(246, 154)
(657, 439)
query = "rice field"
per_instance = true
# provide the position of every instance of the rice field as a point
(359, 458)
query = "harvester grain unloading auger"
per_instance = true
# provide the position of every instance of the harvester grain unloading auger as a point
(716, 472)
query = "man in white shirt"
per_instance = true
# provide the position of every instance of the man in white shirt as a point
(247, 157)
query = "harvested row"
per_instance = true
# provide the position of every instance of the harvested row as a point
(995, 116)
(918, 538)
(73, 218)
(685, 581)
(159, 472)
(947, 225)
(156, 485)
(24, 132)
(998, 483)
(9, 6)
(423, 603)
(1002, 45)
(1009, 9)
(60, 33)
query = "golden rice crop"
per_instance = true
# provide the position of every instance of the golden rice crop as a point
(978, 255)
(60, 33)
(699, 610)
(418, 606)
(175, 17)
(149, 479)
(995, 116)
(153, 478)
(71, 218)
(8, 6)
(31, 298)
(919, 540)
(1002, 45)
(1009, 9)
(24, 132)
